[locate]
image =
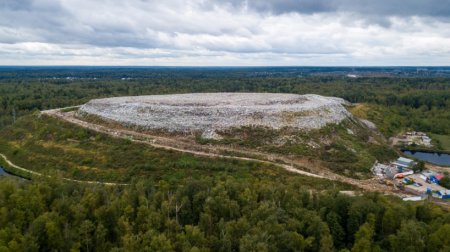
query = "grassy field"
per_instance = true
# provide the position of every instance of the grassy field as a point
(444, 141)
(57, 148)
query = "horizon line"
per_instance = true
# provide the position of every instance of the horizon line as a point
(228, 66)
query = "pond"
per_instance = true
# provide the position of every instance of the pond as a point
(431, 157)
(3, 172)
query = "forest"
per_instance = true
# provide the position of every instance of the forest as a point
(216, 213)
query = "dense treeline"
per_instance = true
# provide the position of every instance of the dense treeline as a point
(415, 102)
(212, 214)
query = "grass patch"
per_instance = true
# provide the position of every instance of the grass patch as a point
(443, 141)
(50, 146)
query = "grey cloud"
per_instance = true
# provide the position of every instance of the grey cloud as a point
(284, 6)
(15, 4)
(51, 22)
(363, 7)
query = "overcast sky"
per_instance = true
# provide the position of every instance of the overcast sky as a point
(225, 32)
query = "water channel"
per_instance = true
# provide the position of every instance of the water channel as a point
(431, 157)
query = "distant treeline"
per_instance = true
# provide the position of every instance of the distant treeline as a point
(417, 103)
(105, 72)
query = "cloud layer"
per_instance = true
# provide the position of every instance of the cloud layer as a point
(229, 32)
(365, 7)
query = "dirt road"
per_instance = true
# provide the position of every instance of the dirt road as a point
(18, 167)
(66, 179)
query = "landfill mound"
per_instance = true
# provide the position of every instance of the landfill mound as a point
(209, 112)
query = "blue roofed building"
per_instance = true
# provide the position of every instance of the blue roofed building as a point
(403, 163)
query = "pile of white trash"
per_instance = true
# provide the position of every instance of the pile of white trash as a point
(208, 112)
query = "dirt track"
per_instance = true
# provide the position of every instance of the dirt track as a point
(174, 144)
(66, 179)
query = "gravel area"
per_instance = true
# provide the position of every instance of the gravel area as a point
(207, 112)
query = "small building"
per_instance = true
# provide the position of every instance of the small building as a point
(436, 178)
(403, 163)
(428, 174)
(415, 198)
(443, 194)
(432, 177)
